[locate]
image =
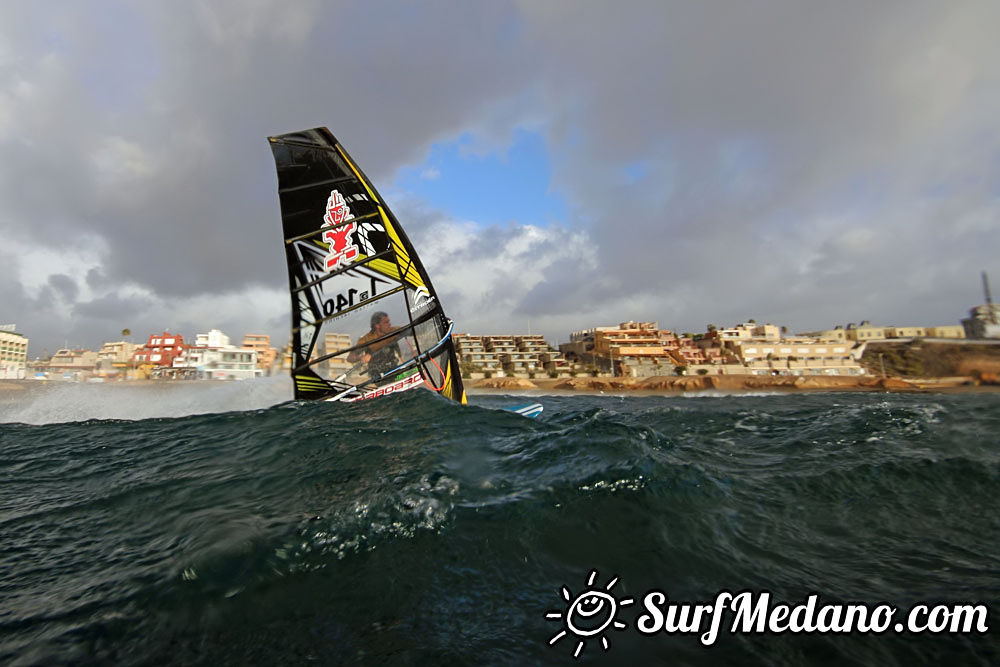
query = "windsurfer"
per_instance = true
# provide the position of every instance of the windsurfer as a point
(382, 355)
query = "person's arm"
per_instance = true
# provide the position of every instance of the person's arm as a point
(362, 353)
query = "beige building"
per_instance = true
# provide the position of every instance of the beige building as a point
(864, 332)
(76, 365)
(946, 331)
(633, 339)
(261, 344)
(638, 349)
(837, 334)
(13, 353)
(905, 332)
(114, 359)
(867, 332)
(764, 350)
(796, 356)
(514, 355)
(513, 360)
(581, 344)
(472, 350)
(333, 343)
(750, 331)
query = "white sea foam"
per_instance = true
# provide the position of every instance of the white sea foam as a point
(57, 402)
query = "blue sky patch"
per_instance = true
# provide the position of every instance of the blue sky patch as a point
(636, 171)
(489, 188)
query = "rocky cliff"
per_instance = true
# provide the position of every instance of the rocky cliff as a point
(923, 359)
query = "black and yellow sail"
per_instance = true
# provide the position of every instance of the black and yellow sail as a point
(366, 320)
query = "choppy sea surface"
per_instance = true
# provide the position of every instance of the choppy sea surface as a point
(222, 524)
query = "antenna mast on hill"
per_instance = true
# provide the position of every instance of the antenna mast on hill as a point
(989, 299)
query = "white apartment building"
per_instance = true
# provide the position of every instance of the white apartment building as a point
(209, 363)
(983, 322)
(212, 357)
(214, 338)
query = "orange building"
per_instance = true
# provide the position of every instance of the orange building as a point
(265, 353)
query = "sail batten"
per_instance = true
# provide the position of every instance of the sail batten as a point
(326, 183)
(394, 290)
(318, 232)
(366, 260)
(366, 321)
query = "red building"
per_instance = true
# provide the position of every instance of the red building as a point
(160, 350)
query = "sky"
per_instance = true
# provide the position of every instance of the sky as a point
(558, 164)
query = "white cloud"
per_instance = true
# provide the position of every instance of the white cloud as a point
(486, 274)
(119, 162)
(74, 257)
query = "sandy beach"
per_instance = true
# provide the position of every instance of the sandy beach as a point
(730, 384)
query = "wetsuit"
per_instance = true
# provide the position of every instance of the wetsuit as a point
(385, 354)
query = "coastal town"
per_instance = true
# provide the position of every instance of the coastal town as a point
(634, 350)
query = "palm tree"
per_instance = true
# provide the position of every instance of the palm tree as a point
(126, 333)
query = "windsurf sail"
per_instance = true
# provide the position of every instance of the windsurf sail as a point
(366, 321)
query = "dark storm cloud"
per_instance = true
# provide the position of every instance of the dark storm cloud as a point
(719, 160)
(779, 144)
(112, 307)
(64, 287)
(182, 189)
(165, 159)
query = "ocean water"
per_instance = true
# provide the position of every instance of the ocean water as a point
(222, 524)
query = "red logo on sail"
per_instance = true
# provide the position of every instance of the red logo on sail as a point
(342, 248)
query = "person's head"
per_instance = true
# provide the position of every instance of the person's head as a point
(380, 322)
